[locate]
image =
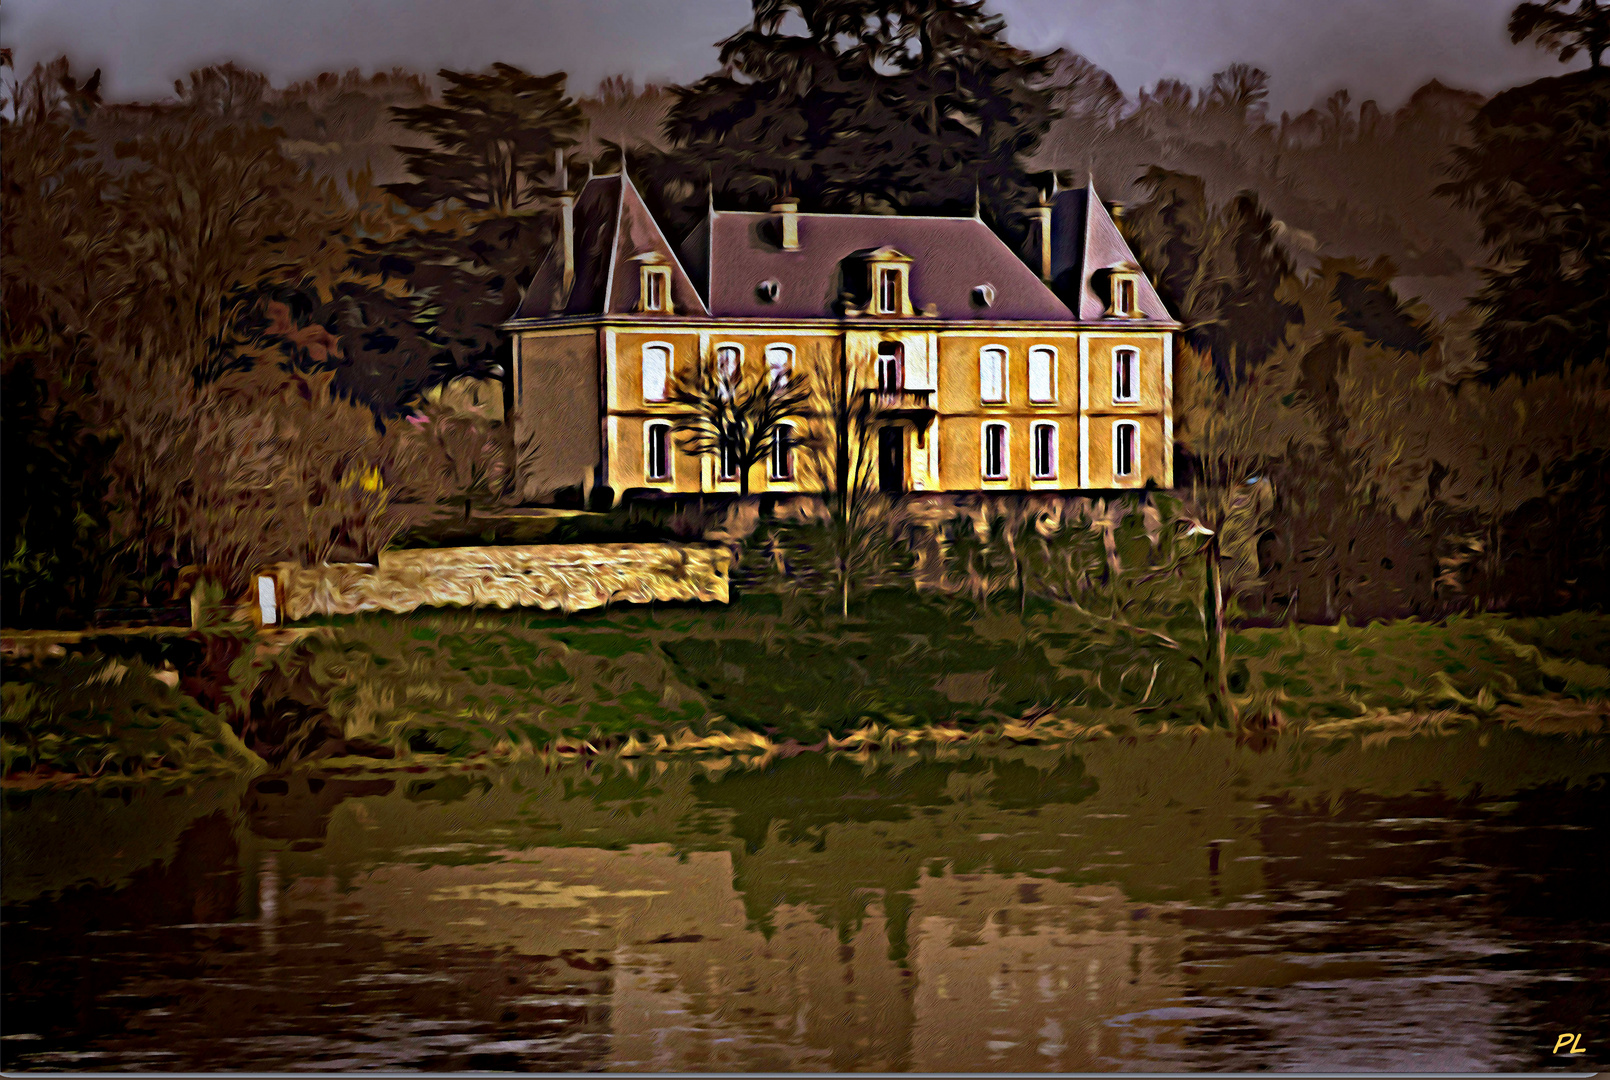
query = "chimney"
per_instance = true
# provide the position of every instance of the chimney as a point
(788, 209)
(1116, 209)
(567, 234)
(1042, 214)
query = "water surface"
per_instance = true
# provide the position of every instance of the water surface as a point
(1421, 903)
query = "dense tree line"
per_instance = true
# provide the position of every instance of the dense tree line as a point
(224, 313)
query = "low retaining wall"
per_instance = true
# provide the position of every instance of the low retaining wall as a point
(569, 577)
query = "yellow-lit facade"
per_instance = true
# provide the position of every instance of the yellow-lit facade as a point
(952, 396)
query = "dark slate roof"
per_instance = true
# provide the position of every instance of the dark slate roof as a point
(1084, 240)
(612, 226)
(950, 257)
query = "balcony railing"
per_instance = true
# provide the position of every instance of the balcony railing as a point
(901, 400)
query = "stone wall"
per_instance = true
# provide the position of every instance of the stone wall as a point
(569, 577)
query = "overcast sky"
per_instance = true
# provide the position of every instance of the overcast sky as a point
(1376, 48)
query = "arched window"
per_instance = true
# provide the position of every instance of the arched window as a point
(729, 362)
(1042, 374)
(994, 460)
(1043, 442)
(992, 374)
(779, 364)
(1124, 444)
(657, 451)
(656, 370)
(1125, 376)
(891, 367)
(782, 452)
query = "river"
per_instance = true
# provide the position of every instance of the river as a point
(1419, 903)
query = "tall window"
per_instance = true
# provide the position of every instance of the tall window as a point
(1126, 296)
(656, 288)
(1043, 439)
(729, 367)
(891, 367)
(656, 370)
(657, 452)
(782, 452)
(729, 361)
(1042, 373)
(729, 459)
(994, 452)
(889, 291)
(1125, 375)
(992, 374)
(1123, 451)
(779, 363)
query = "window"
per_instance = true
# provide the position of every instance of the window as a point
(1123, 451)
(657, 452)
(779, 363)
(889, 291)
(992, 374)
(1124, 300)
(656, 370)
(729, 459)
(655, 290)
(891, 367)
(994, 452)
(1043, 440)
(782, 452)
(1125, 375)
(1042, 373)
(729, 368)
(729, 362)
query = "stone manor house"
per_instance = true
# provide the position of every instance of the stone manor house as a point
(988, 375)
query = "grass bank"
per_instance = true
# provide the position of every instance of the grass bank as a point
(756, 679)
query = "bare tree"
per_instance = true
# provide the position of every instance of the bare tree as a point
(738, 415)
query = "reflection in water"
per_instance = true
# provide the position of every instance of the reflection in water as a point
(1426, 904)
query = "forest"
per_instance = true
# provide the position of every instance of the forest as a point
(233, 318)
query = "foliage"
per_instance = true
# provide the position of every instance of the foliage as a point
(876, 105)
(1534, 172)
(1559, 29)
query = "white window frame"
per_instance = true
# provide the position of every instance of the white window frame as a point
(737, 371)
(661, 277)
(1126, 282)
(1006, 372)
(983, 451)
(1051, 375)
(670, 370)
(1118, 355)
(648, 452)
(892, 308)
(1134, 449)
(899, 355)
(785, 444)
(771, 369)
(1034, 449)
(725, 449)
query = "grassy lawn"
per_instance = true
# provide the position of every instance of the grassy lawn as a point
(459, 683)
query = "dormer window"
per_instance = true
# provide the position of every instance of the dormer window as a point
(654, 291)
(1125, 295)
(889, 291)
(889, 278)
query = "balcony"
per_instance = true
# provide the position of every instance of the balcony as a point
(907, 403)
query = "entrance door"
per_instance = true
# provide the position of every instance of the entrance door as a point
(892, 459)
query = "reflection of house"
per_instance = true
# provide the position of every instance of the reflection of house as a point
(987, 375)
